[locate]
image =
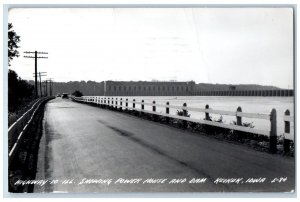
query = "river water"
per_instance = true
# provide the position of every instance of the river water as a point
(262, 105)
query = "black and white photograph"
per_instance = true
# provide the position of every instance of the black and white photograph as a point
(150, 99)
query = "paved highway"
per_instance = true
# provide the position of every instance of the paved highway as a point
(82, 142)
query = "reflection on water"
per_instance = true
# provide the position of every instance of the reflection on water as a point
(262, 105)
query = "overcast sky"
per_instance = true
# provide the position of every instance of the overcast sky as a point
(207, 45)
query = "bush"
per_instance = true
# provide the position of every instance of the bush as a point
(77, 93)
(245, 124)
(180, 113)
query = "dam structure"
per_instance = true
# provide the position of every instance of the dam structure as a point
(145, 88)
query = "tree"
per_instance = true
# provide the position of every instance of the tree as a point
(18, 91)
(12, 89)
(77, 93)
(13, 40)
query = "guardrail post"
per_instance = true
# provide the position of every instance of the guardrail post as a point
(273, 132)
(133, 104)
(207, 113)
(239, 118)
(184, 110)
(287, 127)
(154, 107)
(121, 104)
(154, 110)
(142, 107)
(184, 122)
(167, 112)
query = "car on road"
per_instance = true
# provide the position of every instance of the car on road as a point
(58, 95)
(65, 95)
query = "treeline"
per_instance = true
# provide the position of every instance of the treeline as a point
(20, 91)
(87, 88)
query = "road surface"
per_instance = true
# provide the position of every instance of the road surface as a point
(97, 150)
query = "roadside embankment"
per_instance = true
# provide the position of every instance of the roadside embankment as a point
(22, 165)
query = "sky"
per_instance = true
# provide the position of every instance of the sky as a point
(206, 45)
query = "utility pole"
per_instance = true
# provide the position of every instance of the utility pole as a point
(40, 75)
(50, 85)
(35, 66)
(44, 87)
